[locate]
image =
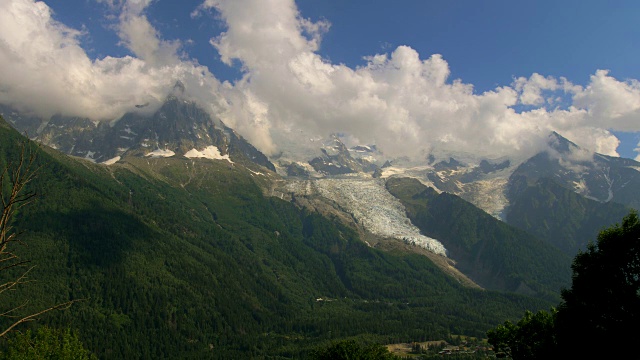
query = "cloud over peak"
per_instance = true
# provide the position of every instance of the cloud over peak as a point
(405, 103)
(45, 71)
(402, 102)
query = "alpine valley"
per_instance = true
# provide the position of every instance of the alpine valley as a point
(185, 241)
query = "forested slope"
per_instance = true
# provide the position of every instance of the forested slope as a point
(558, 215)
(489, 251)
(179, 258)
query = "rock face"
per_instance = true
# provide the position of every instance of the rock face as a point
(337, 159)
(296, 170)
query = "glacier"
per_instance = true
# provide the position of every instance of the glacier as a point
(371, 205)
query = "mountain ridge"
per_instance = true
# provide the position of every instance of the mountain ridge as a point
(177, 127)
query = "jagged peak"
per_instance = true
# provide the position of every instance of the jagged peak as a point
(560, 143)
(178, 88)
(177, 94)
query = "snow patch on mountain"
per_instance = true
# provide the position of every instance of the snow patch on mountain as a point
(210, 152)
(90, 155)
(361, 149)
(111, 161)
(161, 153)
(369, 202)
(609, 182)
(405, 171)
(580, 187)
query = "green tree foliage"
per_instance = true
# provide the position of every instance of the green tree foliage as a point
(16, 176)
(352, 350)
(601, 310)
(46, 343)
(599, 314)
(533, 337)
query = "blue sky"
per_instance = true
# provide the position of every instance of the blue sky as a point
(487, 45)
(488, 42)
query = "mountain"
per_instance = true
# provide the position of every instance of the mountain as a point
(482, 182)
(489, 251)
(567, 195)
(594, 176)
(187, 258)
(178, 210)
(28, 125)
(563, 195)
(558, 215)
(501, 187)
(179, 127)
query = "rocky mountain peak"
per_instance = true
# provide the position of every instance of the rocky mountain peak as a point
(592, 175)
(178, 89)
(177, 128)
(337, 159)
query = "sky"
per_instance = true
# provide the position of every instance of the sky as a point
(489, 78)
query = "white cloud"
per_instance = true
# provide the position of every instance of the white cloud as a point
(611, 103)
(111, 3)
(397, 100)
(45, 71)
(139, 36)
(531, 89)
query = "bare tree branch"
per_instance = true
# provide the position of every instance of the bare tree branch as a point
(15, 177)
(32, 317)
(20, 280)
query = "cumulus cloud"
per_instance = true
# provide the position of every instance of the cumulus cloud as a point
(610, 102)
(531, 90)
(139, 36)
(398, 100)
(45, 71)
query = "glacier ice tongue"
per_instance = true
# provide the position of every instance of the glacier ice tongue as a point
(376, 209)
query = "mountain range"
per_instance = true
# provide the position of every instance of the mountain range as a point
(186, 241)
